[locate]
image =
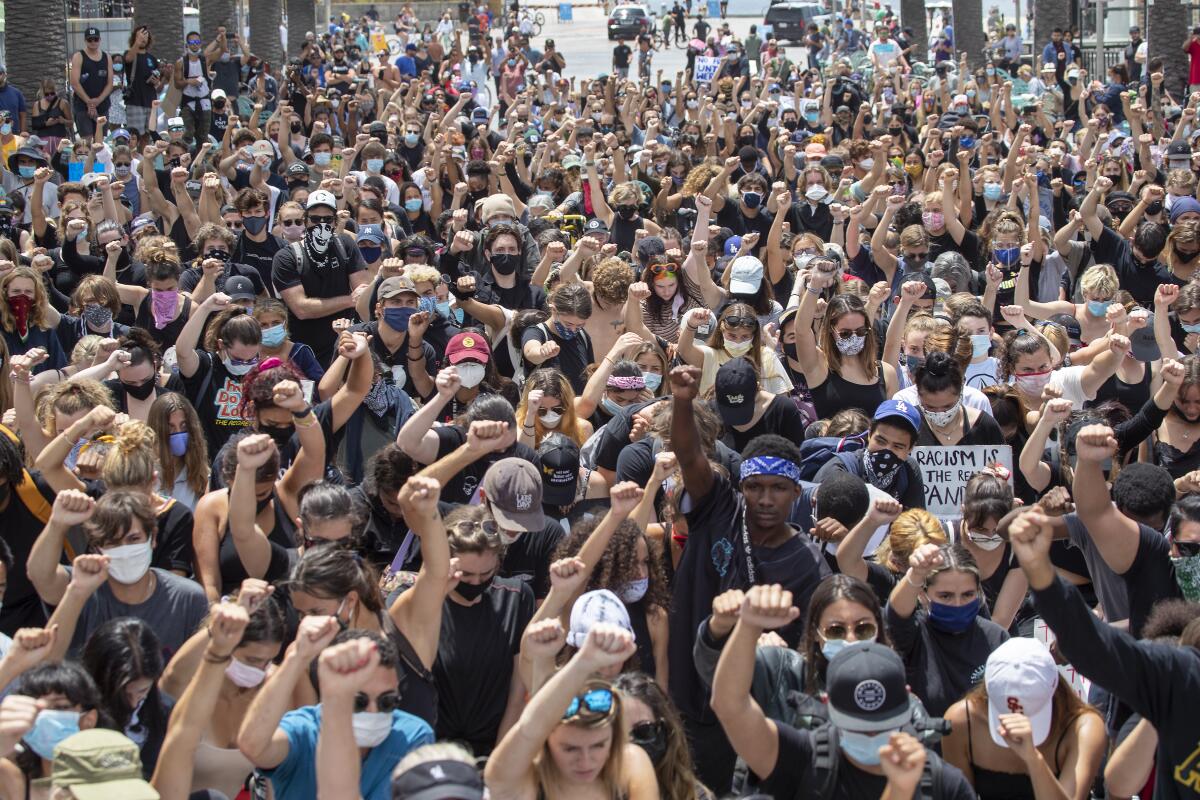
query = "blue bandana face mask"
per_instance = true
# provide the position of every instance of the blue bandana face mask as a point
(953, 619)
(1007, 256)
(428, 305)
(564, 332)
(863, 747)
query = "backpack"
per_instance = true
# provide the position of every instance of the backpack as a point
(814, 453)
(825, 767)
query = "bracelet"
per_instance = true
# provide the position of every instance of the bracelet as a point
(304, 412)
(301, 423)
(419, 358)
(812, 290)
(209, 657)
(908, 580)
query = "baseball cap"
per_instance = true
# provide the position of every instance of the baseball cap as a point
(866, 688)
(468, 345)
(736, 388)
(571, 161)
(321, 197)
(514, 489)
(371, 233)
(122, 133)
(479, 115)
(262, 148)
(298, 170)
(1184, 205)
(1179, 149)
(239, 287)
(99, 764)
(899, 409)
(378, 130)
(648, 247)
(438, 780)
(595, 608)
(219, 94)
(732, 244)
(595, 226)
(1145, 348)
(1021, 677)
(1071, 326)
(746, 273)
(395, 286)
(91, 33)
(175, 123)
(748, 153)
(559, 457)
(814, 151)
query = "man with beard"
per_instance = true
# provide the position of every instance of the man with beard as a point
(317, 277)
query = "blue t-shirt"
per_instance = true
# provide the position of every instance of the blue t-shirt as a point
(407, 65)
(296, 776)
(12, 101)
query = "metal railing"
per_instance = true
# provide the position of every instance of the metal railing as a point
(109, 9)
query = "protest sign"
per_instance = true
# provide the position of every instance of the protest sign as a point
(946, 470)
(706, 68)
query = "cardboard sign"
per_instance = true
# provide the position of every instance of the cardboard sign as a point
(1079, 684)
(946, 470)
(706, 68)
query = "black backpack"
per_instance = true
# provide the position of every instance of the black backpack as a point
(825, 767)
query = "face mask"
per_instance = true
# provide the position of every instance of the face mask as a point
(397, 318)
(26, 171)
(914, 170)
(1191, 328)
(274, 335)
(981, 343)
(611, 406)
(831, 647)
(245, 676)
(141, 390)
(472, 591)
(863, 747)
(692, 104)
(97, 316)
(254, 225)
(966, 142)
(1187, 575)
(50, 728)
(428, 305)
(121, 170)
(505, 263)
(884, 461)
(322, 159)
(1098, 308)
(128, 563)
(941, 419)
(235, 369)
(985, 542)
(414, 205)
(21, 305)
(411, 139)
(6, 129)
(933, 220)
(992, 191)
(737, 349)
(653, 380)
(635, 590)
(564, 332)
(815, 193)
(374, 165)
(280, 434)
(911, 363)
(752, 199)
(789, 350)
(1033, 383)
(653, 741)
(471, 374)
(318, 236)
(852, 345)
(162, 306)
(371, 728)
(370, 254)
(953, 619)
(178, 442)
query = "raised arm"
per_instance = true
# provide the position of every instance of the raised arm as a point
(882, 511)
(251, 545)
(812, 360)
(1115, 535)
(685, 436)
(416, 438)
(185, 344)
(418, 611)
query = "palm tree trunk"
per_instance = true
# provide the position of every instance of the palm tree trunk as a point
(36, 44)
(1169, 27)
(969, 37)
(302, 18)
(1048, 15)
(264, 32)
(912, 15)
(165, 20)
(215, 14)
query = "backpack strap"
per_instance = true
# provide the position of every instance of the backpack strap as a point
(825, 761)
(930, 787)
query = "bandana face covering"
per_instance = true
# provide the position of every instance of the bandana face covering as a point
(162, 306)
(20, 304)
(317, 237)
(881, 468)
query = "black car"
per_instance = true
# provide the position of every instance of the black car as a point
(788, 21)
(628, 22)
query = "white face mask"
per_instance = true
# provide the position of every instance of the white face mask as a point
(941, 419)
(243, 675)
(551, 419)
(371, 727)
(128, 563)
(470, 374)
(737, 349)
(816, 193)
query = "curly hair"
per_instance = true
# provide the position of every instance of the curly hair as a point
(698, 179)
(618, 566)
(258, 387)
(611, 279)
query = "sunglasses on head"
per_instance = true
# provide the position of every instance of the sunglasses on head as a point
(386, 702)
(596, 701)
(736, 321)
(846, 334)
(664, 269)
(863, 630)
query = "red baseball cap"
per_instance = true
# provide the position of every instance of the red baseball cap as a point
(468, 345)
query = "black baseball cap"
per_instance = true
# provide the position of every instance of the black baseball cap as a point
(736, 387)
(559, 457)
(446, 779)
(91, 33)
(1071, 326)
(239, 287)
(595, 225)
(867, 690)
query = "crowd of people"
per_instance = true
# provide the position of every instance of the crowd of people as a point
(429, 425)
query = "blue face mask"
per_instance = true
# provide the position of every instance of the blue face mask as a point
(1192, 328)
(397, 318)
(178, 443)
(6, 129)
(993, 191)
(1098, 308)
(428, 305)
(953, 619)
(444, 309)
(863, 747)
(611, 406)
(49, 729)
(1007, 256)
(966, 142)
(564, 332)
(374, 165)
(26, 171)
(370, 254)
(322, 159)
(653, 380)
(981, 343)
(411, 139)
(413, 206)
(274, 335)
(831, 647)
(912, 362)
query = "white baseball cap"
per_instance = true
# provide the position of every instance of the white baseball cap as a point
(219, 94)
(1021, 677)
(746, 274)
(321, 197)
(593, 608)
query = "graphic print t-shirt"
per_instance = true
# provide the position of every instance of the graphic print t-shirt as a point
(217, 396)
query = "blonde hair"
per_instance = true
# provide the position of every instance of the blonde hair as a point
(545, 770)
(1187, 232)
(910, 530)
(423, 273)
(625, 192)
(921, 323)
(84, 351)
(1181, 179)
(37, 311)
(553, 384)
(437, 751)
(71, 397)
(1099, 279)
(132, 461)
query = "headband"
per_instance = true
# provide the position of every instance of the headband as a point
(270, 363)
(771, 465)
(626, 383)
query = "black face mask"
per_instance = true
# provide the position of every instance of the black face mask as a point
(1182, 256)
(473, 591)
(140, 391)
(505, 263)
(790, 124)
(627, 213)
(789, 350)
(745, 141)
(1147, 263)
(1155, 208)
(296, 127)
(281, 435)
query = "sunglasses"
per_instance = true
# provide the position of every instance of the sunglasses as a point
(234, 226)
(847, 333)
(863, 631)
(97, 38)
(387, 702)
(466, 527)
(292, 223)
(596, 701)
(556, 410)
(740, 322)
(664, 269)
(321, 220)
(1187, 549)
(190, 41)
(620, 209)
(241, 362)
(647, 731)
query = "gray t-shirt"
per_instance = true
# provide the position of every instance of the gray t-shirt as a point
(173, 612)
(1110, 588)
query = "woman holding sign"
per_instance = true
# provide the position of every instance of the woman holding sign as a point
(946, 421)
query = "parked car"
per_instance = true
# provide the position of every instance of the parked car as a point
(788, 21)
(629, 22)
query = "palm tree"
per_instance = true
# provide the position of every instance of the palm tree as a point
(264, 31)
(165, 20)
(302, 18)
(217, 13)
(1048, 15)
(912, 14)
(1169, 25)
(36, 39)
(969, 37)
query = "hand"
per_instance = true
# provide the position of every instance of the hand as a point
(353, 346)
(924, 560)
(89, 573)
(254, 451)
(726, 609)
(312, 636)
(1057, 410)
(1056, 502)
(345, 669)
(72, 507)
(884, 511)
(226, 627)
(41, 175)
(1103, 184)
(31, 646)
(548, 350)
(1165, 295)
(216, 300)
(1119, 344)
(829, 530)
(912, 291)
(75, 227)
(543, 639)
(1172, 372)
(448, 382)
(17, 716)
(1017, 732)
(767, 607)
(568, 576)
(623, 498)
(1014, 316)
(253, 593)
(640, 291)
(487, 436)
(903, 762)
(1095, 443)
(607, 646)
(685, 382)
(288, 396)
(665, 463)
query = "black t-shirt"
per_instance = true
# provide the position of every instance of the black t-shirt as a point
(191, 276)
(461, 488)
(22, 606)
(474, 663)
(781, 418)
(614, 436)
(528, 558)
(944, 243)
(731, 217)
(621, 55)
(574, 354)
(217, 397)
(318, 282)
(1141, 282)
(173, 545)
(398, 358)
(795, 775)
(1151, 577)
(521, 296)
